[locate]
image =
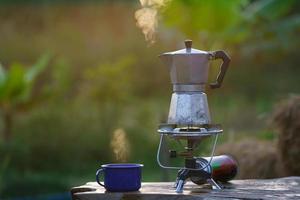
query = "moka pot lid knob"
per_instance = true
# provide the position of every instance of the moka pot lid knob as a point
(188, 50)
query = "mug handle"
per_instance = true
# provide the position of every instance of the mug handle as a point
(226, 60)
(98, 173)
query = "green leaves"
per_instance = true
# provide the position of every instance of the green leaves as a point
(216, 23)
(209, 18)
(12, 83)
(17, 82)
(37, 68)
(270, 9)
(32, 73)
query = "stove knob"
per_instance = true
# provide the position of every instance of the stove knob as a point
(172, 153)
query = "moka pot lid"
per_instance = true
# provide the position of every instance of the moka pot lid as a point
(188, 50)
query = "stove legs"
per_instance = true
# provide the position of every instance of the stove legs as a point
(184, 174)
(213, 184)
(179, 188)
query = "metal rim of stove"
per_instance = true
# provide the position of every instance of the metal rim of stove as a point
(189, 131)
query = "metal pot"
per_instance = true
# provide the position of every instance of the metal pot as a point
(190, 66)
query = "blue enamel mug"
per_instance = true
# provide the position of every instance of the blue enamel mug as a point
(122, 177)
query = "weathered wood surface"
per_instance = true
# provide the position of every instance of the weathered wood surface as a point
(283, 188)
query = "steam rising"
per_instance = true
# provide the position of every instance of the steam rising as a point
(147, 17)
(120, 145)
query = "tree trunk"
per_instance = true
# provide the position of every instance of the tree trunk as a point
(7, 133)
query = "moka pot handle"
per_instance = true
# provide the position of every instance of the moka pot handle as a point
(223, 68)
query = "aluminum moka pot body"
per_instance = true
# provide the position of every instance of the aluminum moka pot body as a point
(187, 68)
(189, 73)
(189, 108)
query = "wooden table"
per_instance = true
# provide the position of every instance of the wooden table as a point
(283, 188)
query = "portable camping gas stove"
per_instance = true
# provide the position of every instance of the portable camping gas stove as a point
(189, 117)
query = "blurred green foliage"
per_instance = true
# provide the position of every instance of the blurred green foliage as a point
(212, 20)
(16, 86)
(104, 76)
(231, 23)
(120, 71)
(53, 2)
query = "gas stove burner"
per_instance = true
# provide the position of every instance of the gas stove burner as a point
(190, 131)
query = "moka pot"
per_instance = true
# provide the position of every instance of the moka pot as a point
(189, 73)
